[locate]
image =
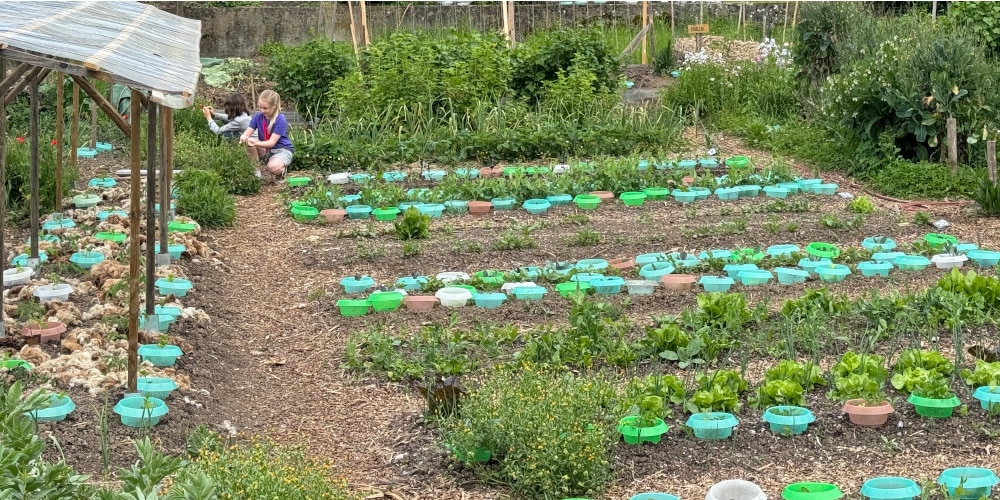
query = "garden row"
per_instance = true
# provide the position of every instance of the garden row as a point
(539, 192)
(603, 277)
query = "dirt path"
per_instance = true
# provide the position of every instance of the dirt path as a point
(281, 373)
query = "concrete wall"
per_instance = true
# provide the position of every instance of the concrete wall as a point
(240, 31)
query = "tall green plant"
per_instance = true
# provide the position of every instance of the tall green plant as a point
(303, 73)
(544, 55)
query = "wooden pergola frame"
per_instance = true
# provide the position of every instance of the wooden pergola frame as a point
(159, 124)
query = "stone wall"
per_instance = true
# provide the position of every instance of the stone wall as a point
(240, 31)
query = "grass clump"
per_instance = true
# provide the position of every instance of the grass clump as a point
(202, 196)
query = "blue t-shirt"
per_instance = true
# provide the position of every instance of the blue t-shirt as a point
(259, 123)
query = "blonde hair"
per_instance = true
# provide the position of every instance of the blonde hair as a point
(271, 97)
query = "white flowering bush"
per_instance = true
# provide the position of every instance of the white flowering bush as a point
(769, 50)
(909, 87)
(765, 89)
(700, 58)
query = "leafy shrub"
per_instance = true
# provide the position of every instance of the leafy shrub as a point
(303, 73)
(449, 73)
(263, 468)
(822, 27)
(544, 55)
(19, 176)
(547, 431)
(982, 17)
(909, 86)
(202, 196)
(413, 226)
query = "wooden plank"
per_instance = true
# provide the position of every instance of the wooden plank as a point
(14, 76)
(635, 41)
(135, 159)
(19, 86)
(697, 29)
(106, 106)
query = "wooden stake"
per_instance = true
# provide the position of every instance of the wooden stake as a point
(74, 128)
(135, 164)
(645, 21)
(152, 126)
(701, 16)
(364, 23)
(168, 157)
(991, 161)
(672, 23)
(795, 14)
(33, 176)
(952, 125)
(59, 140)
(784, 28)
(3, 178)
(93, 123)
(354, 35)
(742, 22)
(934, 14)
(167, 125)
(505, 21)
(510, 22)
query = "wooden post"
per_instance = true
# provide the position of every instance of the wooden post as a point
(74, 128)
(701, 16)
(672, 23)
(645, 21)
(741, 24)
(934, 10)
(151, 128)
(510, 22)
(364, 23)
(784, 27)
(135, 164)
(167, 125)
(59, 140)
(168, 157)
(33, 133)
(795, 15)
(354, 35)
(3, 179)
(93, 123)
(505, 21)
(991, 161)
(953, 145)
